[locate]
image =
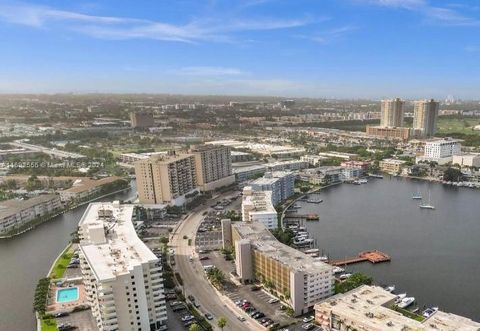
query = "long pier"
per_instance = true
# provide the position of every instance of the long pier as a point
(373, 256)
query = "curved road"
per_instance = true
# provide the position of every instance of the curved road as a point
(194, 278)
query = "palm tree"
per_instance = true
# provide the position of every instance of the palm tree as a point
(194, 327)
(222, 322)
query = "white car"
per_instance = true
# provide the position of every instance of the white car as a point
(187, 318)
(308, 319)
(308, 326)
(241, 318)
(273, 300)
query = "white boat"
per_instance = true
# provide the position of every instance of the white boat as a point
(400, 297)
(427, 205)
(390, 288)
(429, 312)
(312, 251)
(417, 196)
(315, 200)
(303, 241)
(407, 301)
(344, 276)
(338, 270)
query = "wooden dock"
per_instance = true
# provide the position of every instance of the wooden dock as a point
(373, 256)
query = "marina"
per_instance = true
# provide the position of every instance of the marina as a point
(373, 256)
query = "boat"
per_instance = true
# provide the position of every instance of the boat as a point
(315, 200)
(322, 258)
(390, 288)
(338, 270)
(427, 205)
(311, 251)
(407, 301)
(400, 297)
(429, 312)
(313, 217)
(375, 176)
(344, 276)
(417, 196)
(302, 241)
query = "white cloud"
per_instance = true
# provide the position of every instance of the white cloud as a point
(328, 36)
(433, 14)
(118, 28)
(208, 71)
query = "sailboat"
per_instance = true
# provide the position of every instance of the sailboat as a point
(427, 205)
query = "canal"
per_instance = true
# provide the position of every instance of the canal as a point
(27, 258)
(434, 253)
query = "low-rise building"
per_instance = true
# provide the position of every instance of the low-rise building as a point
(257, 207)
(290, 165)
(84, 187)
(17, 213)
(339, 155)
(295, 277)
(313, 160)
(399, 133)
(245, 173)
(237, 156)
(122, 277)
(368, 308)
(467, 160)
(280, 183)
(391, 166)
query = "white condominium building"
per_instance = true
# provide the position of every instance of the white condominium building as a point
(122, 277)
(258, 207)
(280, 183)
(437, 149)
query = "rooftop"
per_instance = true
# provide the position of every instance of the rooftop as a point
(83, 184)
(366, 306)
(13, 206)
(111, 245)
(262, 240)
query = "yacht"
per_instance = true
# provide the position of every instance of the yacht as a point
(400, 297)
(344, 276)
(429, 312)
(407, 301)
(427, 205)
(417, 196)
(390, 288)
(338, 270)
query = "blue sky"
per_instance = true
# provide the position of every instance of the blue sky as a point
(313, 48)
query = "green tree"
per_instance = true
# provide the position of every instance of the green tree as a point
(194, 327)
(452, 175)
(222, 322)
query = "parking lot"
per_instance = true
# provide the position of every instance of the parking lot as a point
(82, 320)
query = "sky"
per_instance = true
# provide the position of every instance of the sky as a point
(292, 48)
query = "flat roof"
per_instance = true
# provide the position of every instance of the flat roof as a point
(122, 251)
(13, 206)
(263, 240)
(84, 184)
(367, 305)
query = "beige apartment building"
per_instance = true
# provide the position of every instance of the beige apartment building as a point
(389, 132)
(122, 277)
(213, 166)
(391, 166)
(392, 113)
(166, 179)
(425, 117)
(296, 278)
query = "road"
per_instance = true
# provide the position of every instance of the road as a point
(194, 278)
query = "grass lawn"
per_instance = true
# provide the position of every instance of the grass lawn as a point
(49, 324)
(61, 263)
(452, 125)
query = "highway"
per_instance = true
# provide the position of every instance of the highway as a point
(194, 279)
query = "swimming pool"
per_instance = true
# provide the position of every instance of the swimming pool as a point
(67, 294)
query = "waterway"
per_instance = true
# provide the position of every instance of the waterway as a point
(435, 253)
(28, 257)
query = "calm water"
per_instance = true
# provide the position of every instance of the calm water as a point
(27, 258)
(435, 253)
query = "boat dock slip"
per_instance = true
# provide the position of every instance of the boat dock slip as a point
(371, 256)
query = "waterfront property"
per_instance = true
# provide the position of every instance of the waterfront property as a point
(371, 308)
(257, 207)
(84, 187)
(280, 183)
(293, 276)
(371, 256)
(15, 214)
(122, 277)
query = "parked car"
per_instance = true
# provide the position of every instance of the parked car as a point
(308, 326)
(308, 319)
(209, 316)
(273, 300)
(203, 258)
(61, 314)
(256, 288)
(187, 318)
(259, 315)
(241, 318)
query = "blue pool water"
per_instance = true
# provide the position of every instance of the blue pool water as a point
(67, 294)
